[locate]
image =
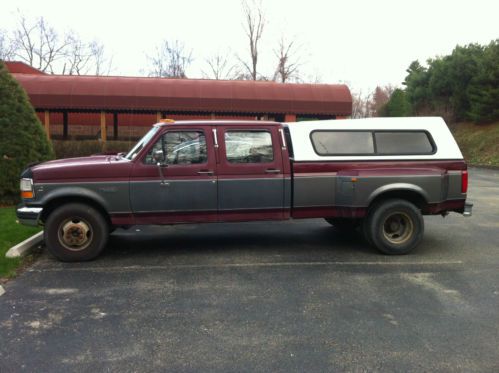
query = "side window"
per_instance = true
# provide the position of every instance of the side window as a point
(180, 147)
(342, 142)
(249, 147)
(403, 142)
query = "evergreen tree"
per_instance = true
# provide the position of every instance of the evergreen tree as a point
(397, 106)
(22, 137)
(483, 89)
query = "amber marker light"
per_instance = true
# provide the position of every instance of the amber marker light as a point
(354, 179)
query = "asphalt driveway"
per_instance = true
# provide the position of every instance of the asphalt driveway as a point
(292, 296)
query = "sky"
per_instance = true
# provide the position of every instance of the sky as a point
(358, 42)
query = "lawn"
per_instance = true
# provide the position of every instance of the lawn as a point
(11, 233)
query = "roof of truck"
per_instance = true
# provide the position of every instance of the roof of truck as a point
(445, 145)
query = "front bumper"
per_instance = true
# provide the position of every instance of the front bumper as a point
(467, 209)
(28, 215)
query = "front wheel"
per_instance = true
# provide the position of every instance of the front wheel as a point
(75, 232)
(394, 227)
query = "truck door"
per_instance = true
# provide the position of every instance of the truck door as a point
(186, 188)
(250, 173)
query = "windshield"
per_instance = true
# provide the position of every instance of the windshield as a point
(142, 142)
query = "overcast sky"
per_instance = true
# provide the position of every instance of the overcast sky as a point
(359, 42)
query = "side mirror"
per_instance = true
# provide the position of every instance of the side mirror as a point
(159, 157)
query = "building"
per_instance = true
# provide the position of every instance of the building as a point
(72, 106)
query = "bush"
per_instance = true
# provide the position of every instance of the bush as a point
(83, 148)
(22, 137)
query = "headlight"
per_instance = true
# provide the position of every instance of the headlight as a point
(26, 186)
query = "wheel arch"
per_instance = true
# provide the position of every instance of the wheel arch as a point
(408, 192)
(58, 201)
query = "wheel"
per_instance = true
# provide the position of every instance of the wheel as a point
(395, 227)
(343, 224)
(75, 232)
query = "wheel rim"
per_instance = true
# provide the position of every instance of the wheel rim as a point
(75, 234)
(398, 228)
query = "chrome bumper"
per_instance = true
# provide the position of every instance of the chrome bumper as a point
(28, 215)
(467, 209)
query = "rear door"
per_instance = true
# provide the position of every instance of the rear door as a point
(250, 173)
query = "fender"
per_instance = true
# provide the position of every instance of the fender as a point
(75, 192)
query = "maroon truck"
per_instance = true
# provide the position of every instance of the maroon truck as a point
(379, 175)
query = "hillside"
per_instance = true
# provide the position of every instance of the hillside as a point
(479, 143)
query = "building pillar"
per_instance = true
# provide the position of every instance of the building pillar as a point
(115, 126)
(65, 125)
(47, 123)
(212, 116)
(290, 117)
(103, 128)
(158, 117)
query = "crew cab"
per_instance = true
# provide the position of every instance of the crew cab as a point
(377, 175)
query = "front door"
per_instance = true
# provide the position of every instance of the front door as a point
(250, 173)
(184, 188)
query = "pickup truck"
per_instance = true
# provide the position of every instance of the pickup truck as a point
(379, 176)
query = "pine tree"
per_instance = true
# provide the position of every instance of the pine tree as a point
(22, 137)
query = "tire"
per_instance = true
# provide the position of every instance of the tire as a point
(343, 224)
(75, 232)
(394, 227)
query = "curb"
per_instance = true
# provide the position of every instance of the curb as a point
(23, 248)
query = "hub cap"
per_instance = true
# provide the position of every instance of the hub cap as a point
(75, 234)
(398, 228)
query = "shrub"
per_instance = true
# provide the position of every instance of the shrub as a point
(22, 137)
(82, 148)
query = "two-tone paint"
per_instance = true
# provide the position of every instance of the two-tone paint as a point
(297, 183)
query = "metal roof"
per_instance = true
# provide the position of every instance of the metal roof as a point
(176, 95)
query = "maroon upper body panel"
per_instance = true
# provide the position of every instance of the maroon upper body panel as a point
(83, 169)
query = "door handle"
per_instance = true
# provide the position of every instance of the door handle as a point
(272, 171)
(205, 172)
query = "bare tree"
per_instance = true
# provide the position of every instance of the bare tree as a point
(219, 67)
(38, 44)
(287, 62)
(101, 62)
(6, 48)
(380, 97)
(171, 60)
(254, 24)
(83, 58)
(362, 105)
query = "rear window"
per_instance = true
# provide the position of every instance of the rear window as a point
(343, 142)
(403, 143)
(330, 143)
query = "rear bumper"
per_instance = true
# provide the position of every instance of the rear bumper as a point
(467, 209)
(28, 215)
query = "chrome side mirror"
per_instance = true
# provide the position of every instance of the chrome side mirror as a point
(158, 157)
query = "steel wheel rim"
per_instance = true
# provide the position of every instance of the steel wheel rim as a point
(398, 228)
(75, 233)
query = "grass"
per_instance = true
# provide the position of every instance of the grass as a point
(11, 233)
(478, 142)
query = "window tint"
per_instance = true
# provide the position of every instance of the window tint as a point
(248, 147)
(181, 147)
(403, 143)
(342, 142)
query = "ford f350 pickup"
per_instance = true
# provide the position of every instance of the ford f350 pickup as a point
(379, 176)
